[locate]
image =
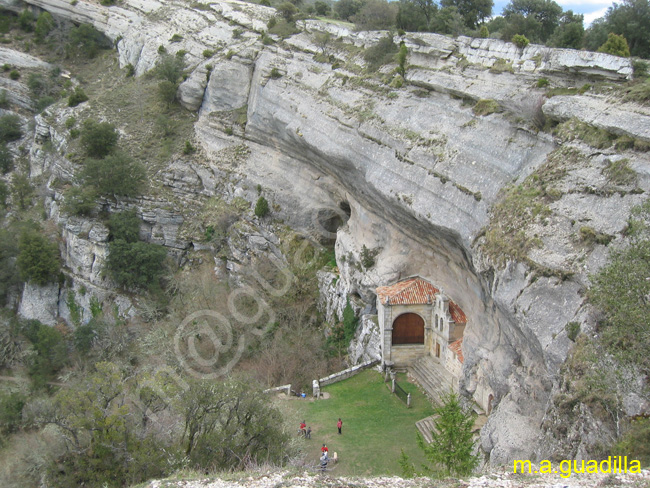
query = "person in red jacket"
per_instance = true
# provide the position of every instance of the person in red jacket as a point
(303, 426)
(339, 424)
(324, 449)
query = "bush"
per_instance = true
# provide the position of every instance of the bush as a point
(6, 159)
(51, 351)
(381, 53)
(261, 207)
(77, 97)
(80, 201)
(169, 68)
(485, 107)
(11, 407)
(10, 128)
(520, 41)
(635, 443)
(542, 82)
(130, 70)
(14, 74)
(87, 40)
(167, 92)
(44, 25)
(4, 99)
(616, 45)
(99, 139)
(38, 258)
(188, 148)
(115, 175)
(4, 193)
(572, 330)
(22, 190)
(321, 8)
(125, 226)
(135, 265)
(287, 10)
(483, 32)
(26, 20)
(276, 73)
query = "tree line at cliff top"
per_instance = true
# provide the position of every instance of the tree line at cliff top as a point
(539, 21)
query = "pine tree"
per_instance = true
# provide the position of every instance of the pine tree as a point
(450, 451)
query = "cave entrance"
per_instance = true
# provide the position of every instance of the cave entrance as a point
(408, 328)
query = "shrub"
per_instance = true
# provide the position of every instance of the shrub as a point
(176, 38)
(520, 41)
(135, 265)
(6, 159)
(635, 443)
(98, 138)
(276, 73)
(483, 32)
(572, 330)
(38, 258)
(167, 92)
(14, 74)
(542, 82)
(125, 226)
(77, 97)
(130, 70)
(616, 45)
(208, 53)
(368, 256)
(401, 60)
(321, 8)
(485, 107)
(261, 207)
(115, 175)
(70, 122)
(85, 336)
(26, 20)
(44, 25)
(380, 54)
(4, 99)
(11, 407)
(87, 40)
(80, 201)
(169, 68)
(287, 10)
(639, 93)
(22, 190)
(188, 148)
(4, 193)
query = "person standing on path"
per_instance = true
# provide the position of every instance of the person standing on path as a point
(339, 424)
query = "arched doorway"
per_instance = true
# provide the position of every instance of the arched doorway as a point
(408, 328)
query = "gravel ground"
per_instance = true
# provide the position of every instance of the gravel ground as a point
(493, 480)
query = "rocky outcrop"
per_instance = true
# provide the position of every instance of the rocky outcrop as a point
(411, 174)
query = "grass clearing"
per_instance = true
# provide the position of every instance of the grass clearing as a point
(376, 424)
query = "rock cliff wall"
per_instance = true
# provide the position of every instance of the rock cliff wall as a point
(411, 173)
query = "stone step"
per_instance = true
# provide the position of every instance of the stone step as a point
(432, 377)
(426, 427)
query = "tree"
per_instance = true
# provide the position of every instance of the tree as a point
(536, 19)
(450, 451)
(167, 92)
(169, 68)
(449, 21)
(22, 190)
(230, 424)
(8, 271)
(630, 19)
(44, 25)
(125, 225)
(287, 10)
(77, 97)
(4, 193)
(347, 8)
(616, 45)
(38, 258)
(261, 207)
(570, 33)
(321, 8)
(26, 20)
(135, 265)
(473, 12)
(375, 15)
(416, 15)
(10, 128)
(98, 138)
(115, 175)
(6, 159)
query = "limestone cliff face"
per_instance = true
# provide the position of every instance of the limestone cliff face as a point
(410, 173)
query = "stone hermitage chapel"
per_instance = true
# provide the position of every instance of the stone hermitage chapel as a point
(415, 320)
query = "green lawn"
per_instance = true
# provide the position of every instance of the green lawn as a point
(376, 424)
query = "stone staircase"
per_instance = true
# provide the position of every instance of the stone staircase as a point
(425, 426)
(435, 380)
(432, 377)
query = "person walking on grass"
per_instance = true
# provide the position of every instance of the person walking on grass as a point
(339, 424)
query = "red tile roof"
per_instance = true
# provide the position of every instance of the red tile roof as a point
(456, 347)
(413, 291)
(417, 291)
